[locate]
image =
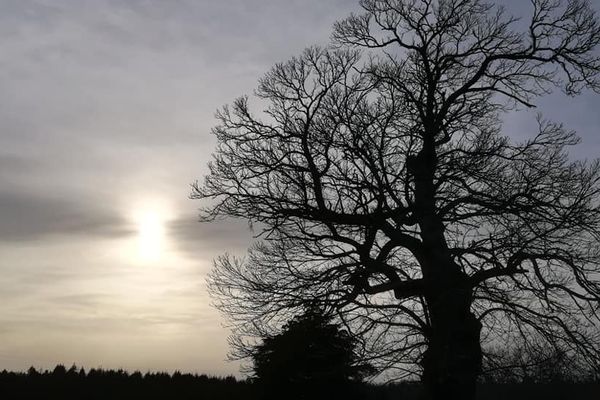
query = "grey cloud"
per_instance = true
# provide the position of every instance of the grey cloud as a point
(11, 163)
(95, 312)
(72, 60)
(199, 239)
(20, 282)
(25, 217)
(94, 325)
(81, 300)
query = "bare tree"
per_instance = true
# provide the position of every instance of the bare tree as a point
(535, 362)
(380, 185)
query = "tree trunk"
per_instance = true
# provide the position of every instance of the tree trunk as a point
(452, 361)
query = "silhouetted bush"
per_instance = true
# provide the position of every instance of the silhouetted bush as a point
(311, 358)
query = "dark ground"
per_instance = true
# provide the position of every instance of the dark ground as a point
(99, 384)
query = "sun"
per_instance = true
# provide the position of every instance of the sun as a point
(150, 234)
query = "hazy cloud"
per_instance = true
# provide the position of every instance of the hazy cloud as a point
(26, 216)
(105, 104)
(200, 238)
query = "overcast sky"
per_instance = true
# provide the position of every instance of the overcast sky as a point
(105, 115)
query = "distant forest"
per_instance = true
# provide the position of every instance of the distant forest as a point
(76, 383)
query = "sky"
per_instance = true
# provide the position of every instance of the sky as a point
(106, 108)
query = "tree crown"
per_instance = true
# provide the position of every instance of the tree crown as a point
(376, 181)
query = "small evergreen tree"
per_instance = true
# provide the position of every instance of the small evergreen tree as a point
(311, 356)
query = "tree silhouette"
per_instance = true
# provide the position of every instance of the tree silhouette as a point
(100, 384)
(311, 357)
(382, 186)
(535, 362)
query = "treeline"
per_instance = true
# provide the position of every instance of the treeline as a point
(77, 383)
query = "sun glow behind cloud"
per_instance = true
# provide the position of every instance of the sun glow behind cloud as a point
(151, 242)
(150, 237)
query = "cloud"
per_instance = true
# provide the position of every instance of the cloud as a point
(81, 300)
(197, 239)
(11, 164)
(104, 102)
(27, 217)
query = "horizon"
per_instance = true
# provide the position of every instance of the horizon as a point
(106, 115)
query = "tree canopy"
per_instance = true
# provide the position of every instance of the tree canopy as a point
(381, 185)
(311, 352)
